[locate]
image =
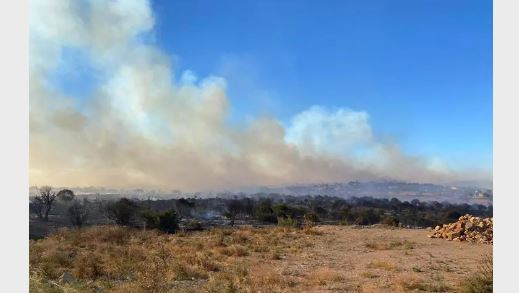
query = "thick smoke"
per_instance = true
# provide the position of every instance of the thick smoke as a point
(146, 125)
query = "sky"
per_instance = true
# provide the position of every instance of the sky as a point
(422, 69)
(351, 89)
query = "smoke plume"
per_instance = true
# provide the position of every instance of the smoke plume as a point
(144, 124)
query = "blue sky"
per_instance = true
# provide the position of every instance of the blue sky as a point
(304, 92)
(421, 69)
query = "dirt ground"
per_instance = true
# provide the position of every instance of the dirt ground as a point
(385, 260)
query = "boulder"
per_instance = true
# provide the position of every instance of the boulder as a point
(66, 277)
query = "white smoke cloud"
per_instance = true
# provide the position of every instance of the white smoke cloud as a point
(146, 125)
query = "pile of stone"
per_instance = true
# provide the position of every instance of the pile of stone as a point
(467, 228)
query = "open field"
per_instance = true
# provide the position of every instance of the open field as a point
(274, 259)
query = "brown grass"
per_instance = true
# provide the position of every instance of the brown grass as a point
(390, 244)
(324, 276)
(382, 265)
(276, 259)
(481, 281)
(414, 283)
(127, 260)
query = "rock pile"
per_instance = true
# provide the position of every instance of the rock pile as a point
(467, 228)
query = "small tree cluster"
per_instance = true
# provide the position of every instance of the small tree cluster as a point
(164, 221)
(41, 204)
(122, 212)
(78, 213)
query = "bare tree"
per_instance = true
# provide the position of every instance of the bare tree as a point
(42, 204)
(47, 197)
(78, 213)
(36, 206)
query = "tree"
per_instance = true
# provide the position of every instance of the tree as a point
(264, 211)
(367, 217)
(66, 195)
(248, 207)
(47, 197)
(42, 204)
(234, 208)
(36, 206)
(122, 211)
(185, 207)
(168, 221)
(78, 213)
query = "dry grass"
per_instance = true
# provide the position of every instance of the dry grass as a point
(324, 276)
(480, 281)
(127, 260)
(390, 245)
(414, 283)
(275, 259)
(382, 265)
(369, 275)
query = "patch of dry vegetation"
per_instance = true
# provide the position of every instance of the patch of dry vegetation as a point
(480, 281)
(414, 283)
(128, 260)
(390, 244)
(383, 265)
(324, 276)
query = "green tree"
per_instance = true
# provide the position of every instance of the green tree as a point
(122, 212)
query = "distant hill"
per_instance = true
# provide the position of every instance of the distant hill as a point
(459, 192)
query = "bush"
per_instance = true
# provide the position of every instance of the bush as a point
(311, 217)
(165, 221)
(390, 221)
(150, 218)
(482, 280)
(367, 217)
(78, 213)
(287, 222)
(264, 211)
(168, 221)
(122, 212)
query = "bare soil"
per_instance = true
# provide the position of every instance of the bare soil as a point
(387, 260)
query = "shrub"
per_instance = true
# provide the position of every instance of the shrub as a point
(311, 218)
(122, 212)
(367, 217)
(264, 211)
(88, 266)
(390, 221)
(482, 280)
(78, 213)
(287, 222)
(168, 221)
(150, 218)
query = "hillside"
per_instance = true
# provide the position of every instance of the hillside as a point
(274, 259)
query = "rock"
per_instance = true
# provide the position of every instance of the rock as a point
(467, 228)
(66, 277)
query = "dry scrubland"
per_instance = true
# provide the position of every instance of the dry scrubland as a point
(275, 259)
